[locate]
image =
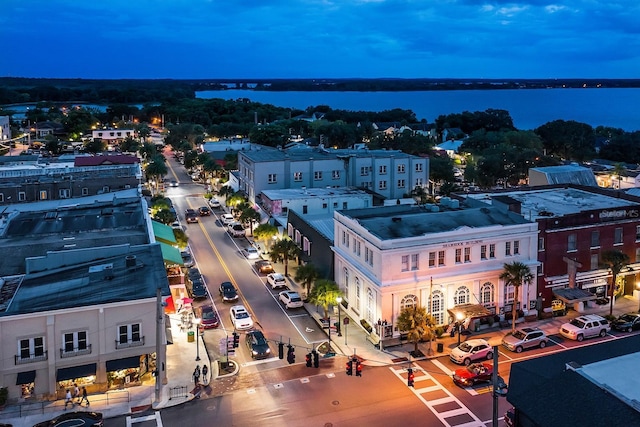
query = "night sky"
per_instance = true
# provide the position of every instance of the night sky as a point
(200, 39)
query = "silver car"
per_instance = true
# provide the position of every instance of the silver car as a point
(525, 338)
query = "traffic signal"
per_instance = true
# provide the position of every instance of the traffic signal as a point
(316, 359)
(291, 355)
(308, 360)
(410, 377)
(358, 368)
(349, 367)
(281, 350)
(236, 340)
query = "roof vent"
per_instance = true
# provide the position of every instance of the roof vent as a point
(396, 219)
(130, 261)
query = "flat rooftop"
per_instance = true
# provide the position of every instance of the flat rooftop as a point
(555, 202)
(299, 193)
(269, 154)
(127, 274)
(398, 222)
(33, 229)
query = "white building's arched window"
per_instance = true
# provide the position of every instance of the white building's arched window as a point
(345, 274)
(371, 306)
(486, 293)
(409, 301)
(358, 294)
(436, 304)
(461, 296)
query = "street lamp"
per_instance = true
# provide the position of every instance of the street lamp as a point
(196, 321)
(339, 301)
(459, 318)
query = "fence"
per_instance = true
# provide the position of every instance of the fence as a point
(178, 391)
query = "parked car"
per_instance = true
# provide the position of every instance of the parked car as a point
(174, 183)
(627, 322)
(198, 289)
(193, 273)
(257, 344)
(204, 211)
(290, 299)
(525, 338)
(226, 219)
(471, 350)
(208, 317)
(472, 374)
(240, 317)
(586, 326)
(264, 266)
(75, 419)
(176, 225)
(228, 292)
(214, 203)
(236, 229)
(191, 216)
(187, 259)
(251, 253)
(276, 280)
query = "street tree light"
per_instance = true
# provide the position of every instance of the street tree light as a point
(459, 318)
(339, 301)
(196, 321)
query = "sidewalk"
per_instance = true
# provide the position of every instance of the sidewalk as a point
(181, 362)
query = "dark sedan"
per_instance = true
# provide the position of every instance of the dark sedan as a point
(228, 292)
(198, 289)
(208, 317)
(204, 211)
(258, 345)
(75, 419)
(474, 373)
(627, 322)
(264, 266)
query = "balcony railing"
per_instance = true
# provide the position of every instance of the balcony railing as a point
(75, 352)
(129, 344)
(19, 360)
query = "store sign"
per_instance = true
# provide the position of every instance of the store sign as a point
(619, 214)
(468, 243)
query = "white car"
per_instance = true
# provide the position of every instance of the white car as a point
(214, 203)
(470, 351)
(227, 219)
(251, 253)
(276, 280)
(586, 326)
(290, 299)
(240, 317)
(237, 230)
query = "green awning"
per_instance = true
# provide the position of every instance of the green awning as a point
(163, 233)
(170, 254)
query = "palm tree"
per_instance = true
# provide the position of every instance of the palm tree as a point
(282, 251)
(324, 293)
(156, 168)
(417, 324)
(615, 261)
(265, 232)
(249, 215)
(619, 171)
(307, 274)
(516, 274)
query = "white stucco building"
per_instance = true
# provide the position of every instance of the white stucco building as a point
(438, 257)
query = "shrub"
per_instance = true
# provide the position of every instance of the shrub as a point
(439, 331)
(4, 395)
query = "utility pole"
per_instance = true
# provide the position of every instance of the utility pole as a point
(159, 335)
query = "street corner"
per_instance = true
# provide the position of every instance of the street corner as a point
(225, 369)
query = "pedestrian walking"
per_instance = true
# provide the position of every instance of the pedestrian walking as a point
(84, 396)
(205, 371)
(68, 399)
(76, 393)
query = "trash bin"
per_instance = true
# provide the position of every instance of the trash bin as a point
(191, 336)
(440, 347)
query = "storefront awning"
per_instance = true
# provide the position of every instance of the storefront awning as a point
(170, 254)
(119, 364)
(469, 311)
(25, 377)
(571, 295)
(76, 372)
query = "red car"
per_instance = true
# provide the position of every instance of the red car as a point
(208, 317)
(474, 373)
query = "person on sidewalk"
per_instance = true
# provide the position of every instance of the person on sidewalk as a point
(84, 396)
(68, 399)
(205, 371)
(76, 393)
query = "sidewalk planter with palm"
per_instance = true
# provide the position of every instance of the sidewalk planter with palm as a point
(306, 274)
(615, 261)
(324, 293)
(516, 274)
(284, 250)
(418, 325)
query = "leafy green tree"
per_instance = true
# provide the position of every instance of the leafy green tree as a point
(516, 274)
(568, 139)
(441, 169)
(164, 215)
(265, 233)
(53, 144)
(418, 325)
(95, 146)
(307, 274)
(270, 135)
(181, 238)
(615, 261)
(148, 150)
(249, 216)
(324, 293)
(130, 145)
(156, 168)
(284, 250)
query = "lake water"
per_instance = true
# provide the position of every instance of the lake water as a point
(529, 108)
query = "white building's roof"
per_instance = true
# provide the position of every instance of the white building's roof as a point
(606, 374)
(300, 193)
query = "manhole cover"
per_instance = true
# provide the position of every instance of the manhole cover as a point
(335, 402)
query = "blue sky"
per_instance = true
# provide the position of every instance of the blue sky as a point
(199, 39)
